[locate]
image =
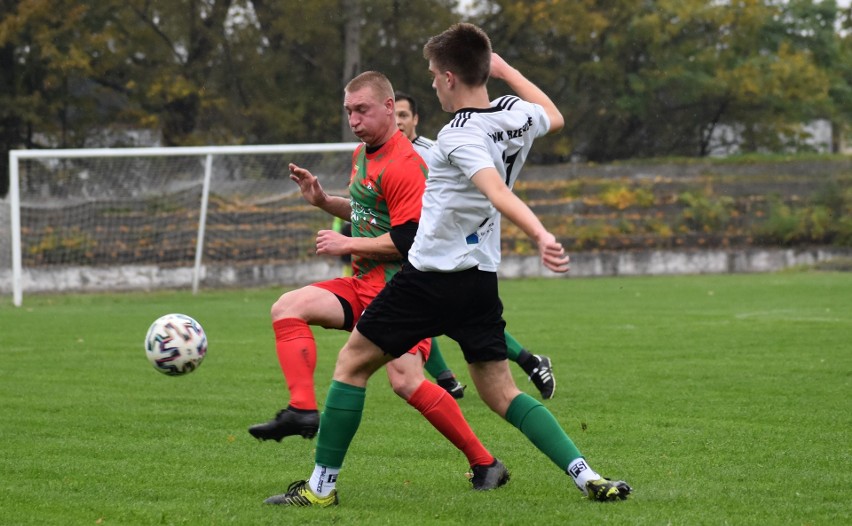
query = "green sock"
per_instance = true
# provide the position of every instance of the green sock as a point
(339, 422)
(538, 424)
(436, 365)
(513, 347)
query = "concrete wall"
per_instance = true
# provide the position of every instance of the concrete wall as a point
(583, 264)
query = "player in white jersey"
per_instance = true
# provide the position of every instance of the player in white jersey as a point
(537, 367)
(497, 137)
(407, 119)
(450, 285)
(423, 145)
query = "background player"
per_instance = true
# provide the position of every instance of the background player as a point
(344, 227)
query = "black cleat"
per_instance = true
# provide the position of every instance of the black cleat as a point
(489, 477)
(287, 422)
(542, 377)
(452, 386)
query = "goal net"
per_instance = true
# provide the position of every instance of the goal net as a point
(145, 218)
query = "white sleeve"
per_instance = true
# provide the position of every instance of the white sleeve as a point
(540, 118)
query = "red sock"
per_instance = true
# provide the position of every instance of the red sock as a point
(297, 354)
(443, 412)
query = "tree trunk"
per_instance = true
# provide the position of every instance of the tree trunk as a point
(352, 55)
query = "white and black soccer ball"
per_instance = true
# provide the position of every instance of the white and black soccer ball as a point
(175, 344)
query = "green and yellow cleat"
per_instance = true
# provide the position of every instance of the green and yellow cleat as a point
(605, 490)
(299, 494)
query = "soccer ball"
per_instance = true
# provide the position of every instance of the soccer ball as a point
(175, 344)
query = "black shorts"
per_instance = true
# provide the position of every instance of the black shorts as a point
(414, 305)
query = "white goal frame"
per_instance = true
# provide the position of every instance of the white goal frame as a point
(209, 152)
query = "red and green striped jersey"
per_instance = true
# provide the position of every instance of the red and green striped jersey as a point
(386, 190)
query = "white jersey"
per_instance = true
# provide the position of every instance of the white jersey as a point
(459, 227)
(423, 146)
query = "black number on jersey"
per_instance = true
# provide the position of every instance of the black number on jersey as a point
(510, 163)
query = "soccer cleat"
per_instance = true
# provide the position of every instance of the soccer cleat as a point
(299, 494)
(542, 377)
(489, 477)
(452, 386)
(604, 490)
(287, 422)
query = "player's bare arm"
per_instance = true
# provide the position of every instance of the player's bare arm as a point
(382, 248)
(526, 90)
(551, 252)
(313, 193)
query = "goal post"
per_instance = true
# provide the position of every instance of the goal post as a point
(146, 218)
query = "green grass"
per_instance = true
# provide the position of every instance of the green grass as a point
(721, 399)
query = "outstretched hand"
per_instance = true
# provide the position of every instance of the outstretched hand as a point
(308, 184)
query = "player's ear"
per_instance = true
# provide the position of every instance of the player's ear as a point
(450, 79)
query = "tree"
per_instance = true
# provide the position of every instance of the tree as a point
(841, 87)
(351, 53)
(640, 79)
(47, 94)
(292, 62)
(197, 72)
(635, 78)
(393, 36)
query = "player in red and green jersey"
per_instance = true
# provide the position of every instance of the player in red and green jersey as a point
(380, 202)
(386, 187)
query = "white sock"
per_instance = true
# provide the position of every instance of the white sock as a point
(323, 480)
(581, 473)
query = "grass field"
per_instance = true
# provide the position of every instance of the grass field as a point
(720, 399)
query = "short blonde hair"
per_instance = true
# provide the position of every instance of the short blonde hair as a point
(379, 83)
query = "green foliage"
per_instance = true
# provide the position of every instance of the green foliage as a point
(595, 234)
(161, 204)
(705, 213)
(635, 78)
(60, 246)
(844, 232)
(573, 188)
(657, 78)
(621, 196)
(824, 220)
(721, 203)
(658, 227)
(711, 379)
(782, 225)
(217, 72)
